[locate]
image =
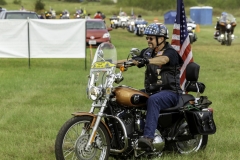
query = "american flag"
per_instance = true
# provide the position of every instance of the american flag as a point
(180, 39)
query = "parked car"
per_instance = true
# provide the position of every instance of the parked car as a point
(97, 32)
(15, 14)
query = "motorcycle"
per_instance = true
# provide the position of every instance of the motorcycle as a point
(140, 26)
(131, 25)
(191, 26)
(123, 19)
(53, 13)
(117, 115)
(225, 29)
(65, 15)
(114, 22)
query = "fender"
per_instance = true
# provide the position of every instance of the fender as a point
(94, 119)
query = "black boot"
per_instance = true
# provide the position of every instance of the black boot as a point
(145, 143)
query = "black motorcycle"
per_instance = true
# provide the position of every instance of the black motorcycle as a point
(116, 117)
(225, 29)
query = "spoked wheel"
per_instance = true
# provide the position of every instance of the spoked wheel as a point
(72, 139)
(193, 145)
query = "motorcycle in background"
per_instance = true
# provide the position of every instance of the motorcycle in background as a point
(191, 27)
(131, 25)
(225, 29)
(48, 15)
(140, 25)
(117, 115)
(53, 13)
(123, 19)
(114, 21)
(65, 15)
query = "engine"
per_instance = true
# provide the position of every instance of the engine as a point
(131, 120)
(134, 121)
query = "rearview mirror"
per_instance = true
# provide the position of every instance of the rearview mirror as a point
(135, 52)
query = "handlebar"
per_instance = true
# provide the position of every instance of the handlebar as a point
(128, 64)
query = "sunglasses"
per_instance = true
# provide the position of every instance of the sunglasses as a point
(149, 38)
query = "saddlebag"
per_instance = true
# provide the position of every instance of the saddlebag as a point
(201, 122)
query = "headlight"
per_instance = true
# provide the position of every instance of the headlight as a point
(138, 25)
(106, 35)
(141, 25)
(228, 26)
(132, 23)
(94, 93)
(189, 28)
(144, 25)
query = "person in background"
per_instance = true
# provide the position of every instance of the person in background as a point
(217, 27)
(88, 16)
(103, 17)
(162, 78)
(22, 8)
(98, 15)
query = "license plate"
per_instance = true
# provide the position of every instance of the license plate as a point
(92, 42)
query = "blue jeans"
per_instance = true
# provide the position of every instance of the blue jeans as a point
(157, 102)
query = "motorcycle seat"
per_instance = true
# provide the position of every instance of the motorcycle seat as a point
(183, 99)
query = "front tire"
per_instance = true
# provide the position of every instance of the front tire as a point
(191, 39)
(229, 39)
(73, 137)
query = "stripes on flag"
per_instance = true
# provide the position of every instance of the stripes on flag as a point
(181, 41)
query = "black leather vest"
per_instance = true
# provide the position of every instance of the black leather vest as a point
(161, 78)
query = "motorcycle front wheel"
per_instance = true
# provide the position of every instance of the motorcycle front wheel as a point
(229, 39)
(73, 137)
(199, 142)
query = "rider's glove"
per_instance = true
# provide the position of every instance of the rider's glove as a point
(142, 62)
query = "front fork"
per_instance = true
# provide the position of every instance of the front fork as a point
(95, 125)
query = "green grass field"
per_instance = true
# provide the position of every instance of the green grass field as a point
(35, 102)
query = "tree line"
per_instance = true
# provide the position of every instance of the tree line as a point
(156, 5)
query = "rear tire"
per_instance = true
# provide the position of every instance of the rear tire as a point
(73, 137)
(189, 146)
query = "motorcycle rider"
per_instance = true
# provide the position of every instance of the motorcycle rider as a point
(162, 77)
(139, 17)
(217, 27)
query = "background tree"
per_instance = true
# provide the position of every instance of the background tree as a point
(39, 5)
(3, 2)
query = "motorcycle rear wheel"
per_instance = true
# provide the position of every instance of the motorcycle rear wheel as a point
(190, 146)
(73, 137)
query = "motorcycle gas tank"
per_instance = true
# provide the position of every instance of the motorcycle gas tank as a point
(130, 97)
